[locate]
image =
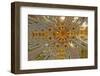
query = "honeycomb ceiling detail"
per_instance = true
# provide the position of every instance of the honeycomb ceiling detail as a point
(57, 37)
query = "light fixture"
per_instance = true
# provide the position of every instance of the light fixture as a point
(71, 44)
(46, 44)
(62, 18)
(83, 26)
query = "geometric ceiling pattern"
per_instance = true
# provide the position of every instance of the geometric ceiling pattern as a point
(57, 37)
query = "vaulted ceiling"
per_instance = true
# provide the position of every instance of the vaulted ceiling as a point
(57, 37)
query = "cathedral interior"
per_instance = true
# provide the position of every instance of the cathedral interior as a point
(57, 37)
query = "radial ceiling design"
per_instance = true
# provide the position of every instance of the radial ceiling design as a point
(57, 37)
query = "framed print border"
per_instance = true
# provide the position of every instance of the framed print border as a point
(15, 37)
